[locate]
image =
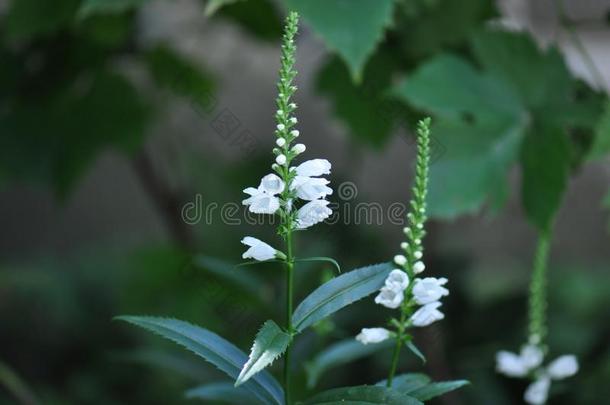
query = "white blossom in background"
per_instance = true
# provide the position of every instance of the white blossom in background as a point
(373, 335)
(528, 363)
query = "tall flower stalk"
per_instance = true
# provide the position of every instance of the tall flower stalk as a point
(279, 192)
(528, 363)
(417, 299)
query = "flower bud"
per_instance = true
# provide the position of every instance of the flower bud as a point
(298, 148)
(280, 160)
(280, 142)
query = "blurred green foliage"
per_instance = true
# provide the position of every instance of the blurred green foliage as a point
(498, 102)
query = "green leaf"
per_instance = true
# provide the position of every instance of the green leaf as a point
(257, 17)
(214, 349)
(27, 19)
(545, 159)
(215, 5)
(339, 293)
(601, 141)
(339, 354)
(436, 389)
(92, 7)
(271, 341)
(362, 395)
(405, 383)
(352, 28)
(222, 392)
(480, 124)
(367, 111)
(320, 259)
(248, 281)
(178, 74)
(411, 346)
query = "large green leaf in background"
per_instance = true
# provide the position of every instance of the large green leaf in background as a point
(223, 392)
(483, 116)
(352, 28)
(214, 349)
(30, 18)
(54, 141)
(480, 123)
(270, 343)
(364, 107)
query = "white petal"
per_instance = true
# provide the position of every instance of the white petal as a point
(310, 188)
(373, 335)
(563, 367)
(389, 297)
(427, 314)
(538, 391)
(314, 167)
(262, 203)
(510, 364)
(397, 280)
(312, 213)
(258, 250)
(532, 356)
(272, 184)
(429, 289)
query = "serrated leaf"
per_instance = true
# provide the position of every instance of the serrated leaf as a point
(362, 395)
(223, 392)
(92, 7)
(339, 354)
(436, 389)
(214, 349)
(352, 28)
(339, 293)
(405, 383)
(270, 343)
(480, 124)
(411, 346)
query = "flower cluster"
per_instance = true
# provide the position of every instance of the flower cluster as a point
(528, 363)
(279, 192)
(402, 288)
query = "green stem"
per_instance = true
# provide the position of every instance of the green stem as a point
(396, 354)
(538, 296)
(289, 303)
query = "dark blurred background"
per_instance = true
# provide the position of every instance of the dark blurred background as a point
(127, 125)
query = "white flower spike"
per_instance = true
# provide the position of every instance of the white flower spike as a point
(258, 250)
(373, 335)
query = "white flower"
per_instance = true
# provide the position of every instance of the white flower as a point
(404, 245)
(427, 314)
(280, 127)
(280, 142)
(538, 391)
(418, 254)
(418, 267)
(271, 184)
(389, 297)
(294, 133)
(299, 148)
(510, 364)
(280, 160)
(310, 188)
(314, 167)
(373, 335)
(397, 280)
(261, 202)
(258, 250)
(429, 289)
(400, 260)
(293, 120)
(563, 367)
(532, 356)
(313, 212)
